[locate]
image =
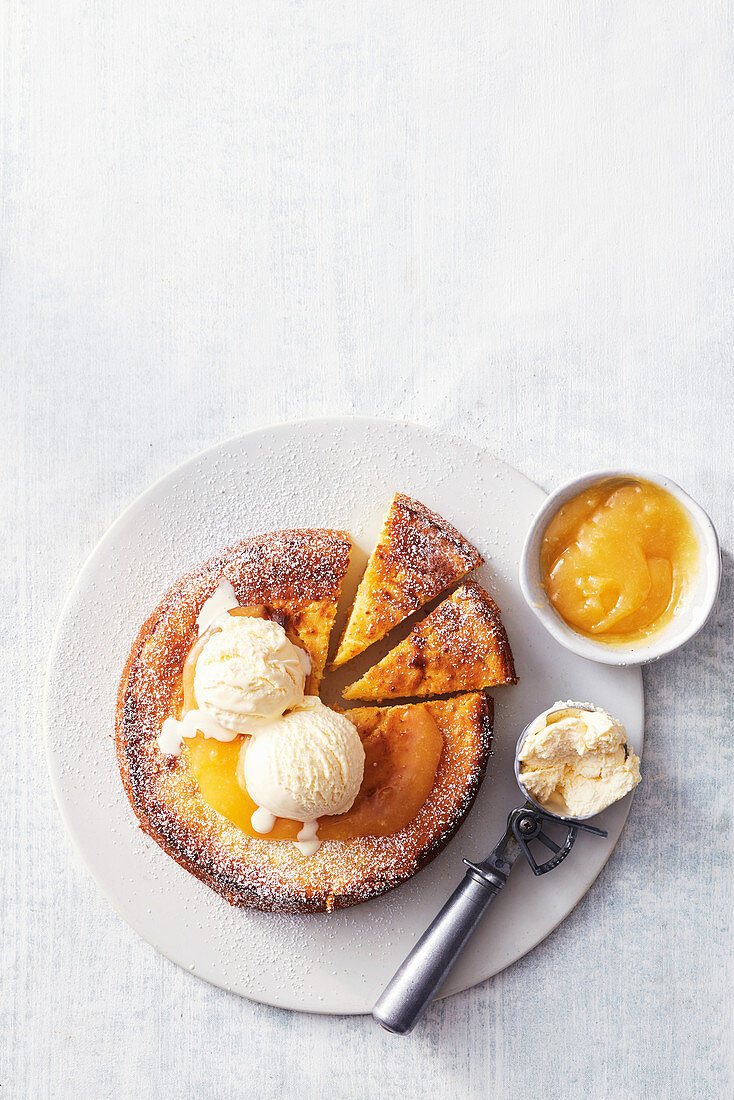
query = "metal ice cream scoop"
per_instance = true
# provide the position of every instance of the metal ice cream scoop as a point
(420, 977)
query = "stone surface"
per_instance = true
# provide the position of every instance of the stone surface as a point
(510, 222)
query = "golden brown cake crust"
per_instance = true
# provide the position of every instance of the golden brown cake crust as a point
(461, 645)
(296, 574)
(418, 556)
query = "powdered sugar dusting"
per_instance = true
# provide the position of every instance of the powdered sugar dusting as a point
(338, 474)
(286, 570)
(462, 644)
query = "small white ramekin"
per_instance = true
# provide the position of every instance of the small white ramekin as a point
(684, 625)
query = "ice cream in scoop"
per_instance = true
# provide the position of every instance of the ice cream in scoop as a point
(576, 762)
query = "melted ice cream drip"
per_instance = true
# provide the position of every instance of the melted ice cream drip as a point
(173, 731)
(193, 722)
(308, 842)
(221, 601)
(263, 821)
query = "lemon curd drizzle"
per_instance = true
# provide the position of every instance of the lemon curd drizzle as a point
(399, 772)
(618, 559)
(401, 761)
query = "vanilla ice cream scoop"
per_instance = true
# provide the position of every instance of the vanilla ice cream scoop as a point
(305, 765)
(575, 761)
(249, 671)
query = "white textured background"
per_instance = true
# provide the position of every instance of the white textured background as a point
(510, 221)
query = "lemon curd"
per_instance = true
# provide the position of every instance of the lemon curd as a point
(618, 559)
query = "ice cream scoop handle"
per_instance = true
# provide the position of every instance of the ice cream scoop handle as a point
(408, 994)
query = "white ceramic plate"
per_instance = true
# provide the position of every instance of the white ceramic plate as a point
(336, 473)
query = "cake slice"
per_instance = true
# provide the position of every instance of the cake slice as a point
(418, 555)
(460, 646)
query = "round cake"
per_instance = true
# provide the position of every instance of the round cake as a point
(426, 758)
